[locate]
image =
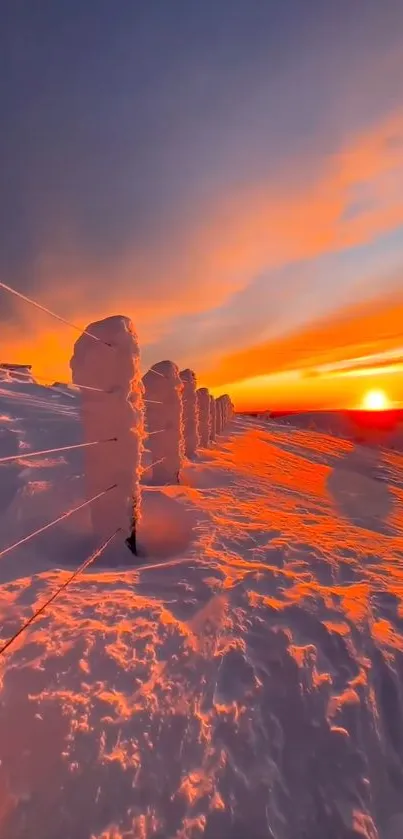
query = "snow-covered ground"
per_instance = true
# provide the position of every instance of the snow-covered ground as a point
(249, 687)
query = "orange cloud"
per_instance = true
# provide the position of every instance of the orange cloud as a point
(258, 227)
(253, 229)
(270, 225)
(351, 332)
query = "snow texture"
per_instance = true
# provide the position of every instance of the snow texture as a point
(163, 393)
(212, 419)
(203, 404)
(251, 685)
(115, 412)
(190, 412)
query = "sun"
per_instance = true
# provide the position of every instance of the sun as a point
(375, 400)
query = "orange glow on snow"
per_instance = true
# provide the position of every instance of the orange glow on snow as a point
(292, 541)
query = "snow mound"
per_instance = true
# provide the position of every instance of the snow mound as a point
(167, 526)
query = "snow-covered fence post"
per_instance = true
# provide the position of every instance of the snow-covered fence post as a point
(212, 418)
(217, 417)
(219, 421)
(224, 411)
(227, 403)
(190, 412)
(203, 403)
(114, 410)
(163, 393)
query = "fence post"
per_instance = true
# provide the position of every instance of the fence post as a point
(163, 391)
(226, 404)
(212, 418)
(219, 418)
(112, 364)
(203, 404)
(190, 412)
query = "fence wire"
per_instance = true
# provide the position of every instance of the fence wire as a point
(52, 314)
(34, 378)
(23, 456)
(55, 521)
(58, 591)
(150, 466)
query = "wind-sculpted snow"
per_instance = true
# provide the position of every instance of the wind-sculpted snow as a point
(250, 687)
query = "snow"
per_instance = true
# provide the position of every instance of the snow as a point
(163, 392)
(113, 413)
(203, 406)
(251, 685)
(190, 412)
(16, 372)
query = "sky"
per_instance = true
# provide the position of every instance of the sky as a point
(227, 173)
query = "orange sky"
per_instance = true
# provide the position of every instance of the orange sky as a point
(284, 370)
(272, 279)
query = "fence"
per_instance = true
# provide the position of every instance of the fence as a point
(126, 403)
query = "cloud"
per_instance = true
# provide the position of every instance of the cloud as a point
(270, 225)
(354, 331)
(263, 228)
(224, 180)
(247, 263)
(294, 255)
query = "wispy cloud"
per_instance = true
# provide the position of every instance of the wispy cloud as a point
(350, 333)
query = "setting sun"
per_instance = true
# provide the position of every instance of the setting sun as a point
(375, 400)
